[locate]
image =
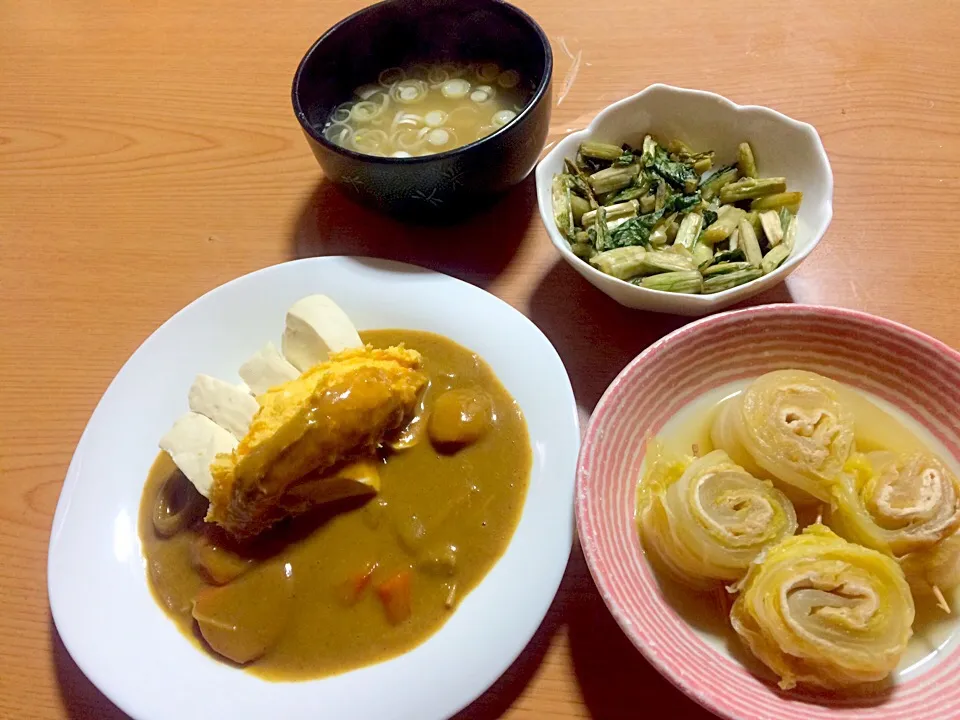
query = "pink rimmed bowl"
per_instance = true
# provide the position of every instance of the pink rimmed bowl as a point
(901, 366)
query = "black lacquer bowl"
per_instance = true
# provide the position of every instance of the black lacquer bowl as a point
(398, 32)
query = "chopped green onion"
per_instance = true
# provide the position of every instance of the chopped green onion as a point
(502, 117)
(634, 192)
(583, 250)
(749, 188)
(749, 243)
(689, 230)
(683, 281)
(773, 259)
(613, 178)
(789, 200)
(728, 217)
(770, 221)
(488, 72)
(580, 208)
(729, 256)
(725, 267)
(623, 263)
(614, 212)
(435, 118)
(719, 283)
(702, 255)
(455, 89)
(482, 94)
(745, 162)
(601, 151)
(562, 207)
(661, 261)
(790, 233)
(712, 186)
(508, 79)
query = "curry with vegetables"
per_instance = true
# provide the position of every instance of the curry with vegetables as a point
(375, 572)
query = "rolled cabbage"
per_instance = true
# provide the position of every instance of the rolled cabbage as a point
(707, 519)
(819, 610)
(934, 569)
(897, 504)
(791, 426)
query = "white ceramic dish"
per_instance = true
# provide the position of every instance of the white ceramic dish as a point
(783, 146)
(98, 590)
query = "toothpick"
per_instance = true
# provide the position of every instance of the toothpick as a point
(941, 600)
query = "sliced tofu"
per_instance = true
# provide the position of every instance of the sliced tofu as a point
(316, 327)
(230, 406)
(193, 442)
(267, 369)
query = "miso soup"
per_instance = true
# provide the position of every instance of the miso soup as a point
(422, 109)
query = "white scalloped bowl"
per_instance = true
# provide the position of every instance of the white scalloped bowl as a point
(783, 146)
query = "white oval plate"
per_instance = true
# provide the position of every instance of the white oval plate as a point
(99, 597)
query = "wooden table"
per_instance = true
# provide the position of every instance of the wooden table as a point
(148, 153)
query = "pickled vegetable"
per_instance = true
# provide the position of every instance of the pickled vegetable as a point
(610, 197)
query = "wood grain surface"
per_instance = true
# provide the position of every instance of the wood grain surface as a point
(148, 153)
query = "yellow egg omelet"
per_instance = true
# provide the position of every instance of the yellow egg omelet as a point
(337, 411)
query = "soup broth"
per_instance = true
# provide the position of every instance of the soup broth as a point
(422, 109)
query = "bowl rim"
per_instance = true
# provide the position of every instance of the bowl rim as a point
(590, 545)
(538, 95)
(695, 301)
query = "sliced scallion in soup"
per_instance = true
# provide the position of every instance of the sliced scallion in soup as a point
(422, 109)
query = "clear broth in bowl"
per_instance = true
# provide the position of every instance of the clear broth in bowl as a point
(427, 108)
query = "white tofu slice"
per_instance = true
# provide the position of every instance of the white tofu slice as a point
(316, 327)
(267, 369)
(193, 442)
(229, 406)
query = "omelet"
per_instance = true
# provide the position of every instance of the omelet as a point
(334, 413)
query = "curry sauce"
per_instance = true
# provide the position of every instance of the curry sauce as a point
(360, 580)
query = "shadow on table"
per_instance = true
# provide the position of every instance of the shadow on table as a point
(777, 294)
(79, 696)
(614, 678)
(477, 250)
(499, 698)
(596, 336)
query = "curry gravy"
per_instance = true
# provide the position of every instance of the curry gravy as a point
(361, 580)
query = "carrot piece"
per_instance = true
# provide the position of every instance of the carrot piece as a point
(396, 596)
(353, 587)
